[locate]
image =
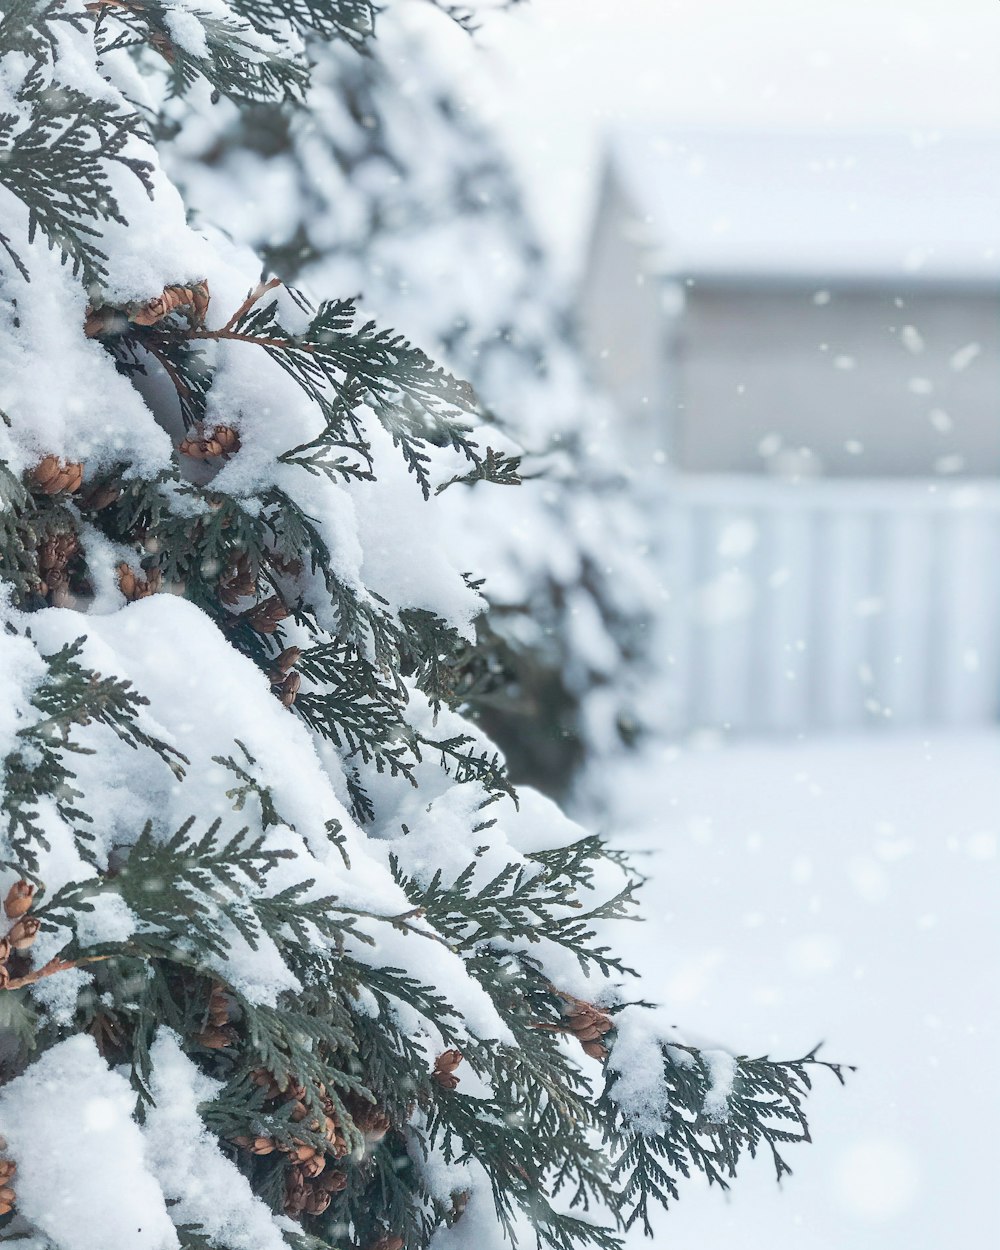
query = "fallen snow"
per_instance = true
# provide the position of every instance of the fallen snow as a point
(842, 890)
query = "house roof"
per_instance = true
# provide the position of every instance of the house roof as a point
(817, 205)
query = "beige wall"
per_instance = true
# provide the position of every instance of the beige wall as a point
(622, 323)
(870, 382)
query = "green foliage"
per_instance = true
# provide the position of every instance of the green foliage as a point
(340, 1067)
(60, 163)
(764, 1108)
(70, 695)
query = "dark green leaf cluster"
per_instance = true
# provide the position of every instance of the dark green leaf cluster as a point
(525, 905)
(763, 1109)
(60, 162)
(69, 696)
(356, 692)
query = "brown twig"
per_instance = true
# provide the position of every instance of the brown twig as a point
(51, 968)
(260, 290)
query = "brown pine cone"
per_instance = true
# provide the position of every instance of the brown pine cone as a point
(218, 1006)
(7, 1199)
(337, 1140)
(103, 320)
(317, 1201)
(52, 475)
(265, 617)
(287, 660)
(264, 1080)
(588, 1024)
(296, 1191)
(194, 297)
(256, 1145)
(56, 552)
(19, 898)
(222, 440)
(288, 688)
(24, 932)
(388, 1243)
(332, 1181)
(103, 496)
(373, 1123)
(313, 1167)
(240, 580)
(291, 566)
(214, 1038)
(596, 1050)
(134, 587)
(444, 1069)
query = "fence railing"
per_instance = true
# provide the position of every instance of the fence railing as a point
(832, 603)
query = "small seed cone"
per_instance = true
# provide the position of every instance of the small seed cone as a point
(54, 555)
(288, 688)
(134, 587)
(286, 661)
(52, 475)
(444, 1069)
(223, 440)
(213, 1038)
(256, 1145)
(596, 1050)
(218, 1007)
(588, 1024)
(337, 1140)
(317, 1201)
(296, 1191)
(266, 1081)
(291, 566)
(313, 1167)
(195, 298)
(373, 1123)
(332, 1181)
(19, 899)
(388, 1243)
(104, 496)
(239, 581)
(24, 932)
(266, 616)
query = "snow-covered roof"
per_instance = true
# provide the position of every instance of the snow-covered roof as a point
(822, 204)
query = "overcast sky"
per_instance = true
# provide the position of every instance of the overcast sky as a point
(561, 72)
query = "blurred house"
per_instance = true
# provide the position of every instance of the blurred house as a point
(805, 330)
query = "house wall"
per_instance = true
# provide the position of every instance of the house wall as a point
(870, 381)
(622, 315)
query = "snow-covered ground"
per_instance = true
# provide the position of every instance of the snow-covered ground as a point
(843, 890)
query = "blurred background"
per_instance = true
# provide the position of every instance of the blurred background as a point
(730, 275)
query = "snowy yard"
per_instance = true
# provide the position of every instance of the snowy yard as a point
(844, 890)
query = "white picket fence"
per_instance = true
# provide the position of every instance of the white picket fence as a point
(832, 603)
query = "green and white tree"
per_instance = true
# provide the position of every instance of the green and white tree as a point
(391, 185)
(286, 960)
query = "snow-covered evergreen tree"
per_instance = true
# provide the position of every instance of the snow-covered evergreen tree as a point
(391, 185)
(286, 961)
